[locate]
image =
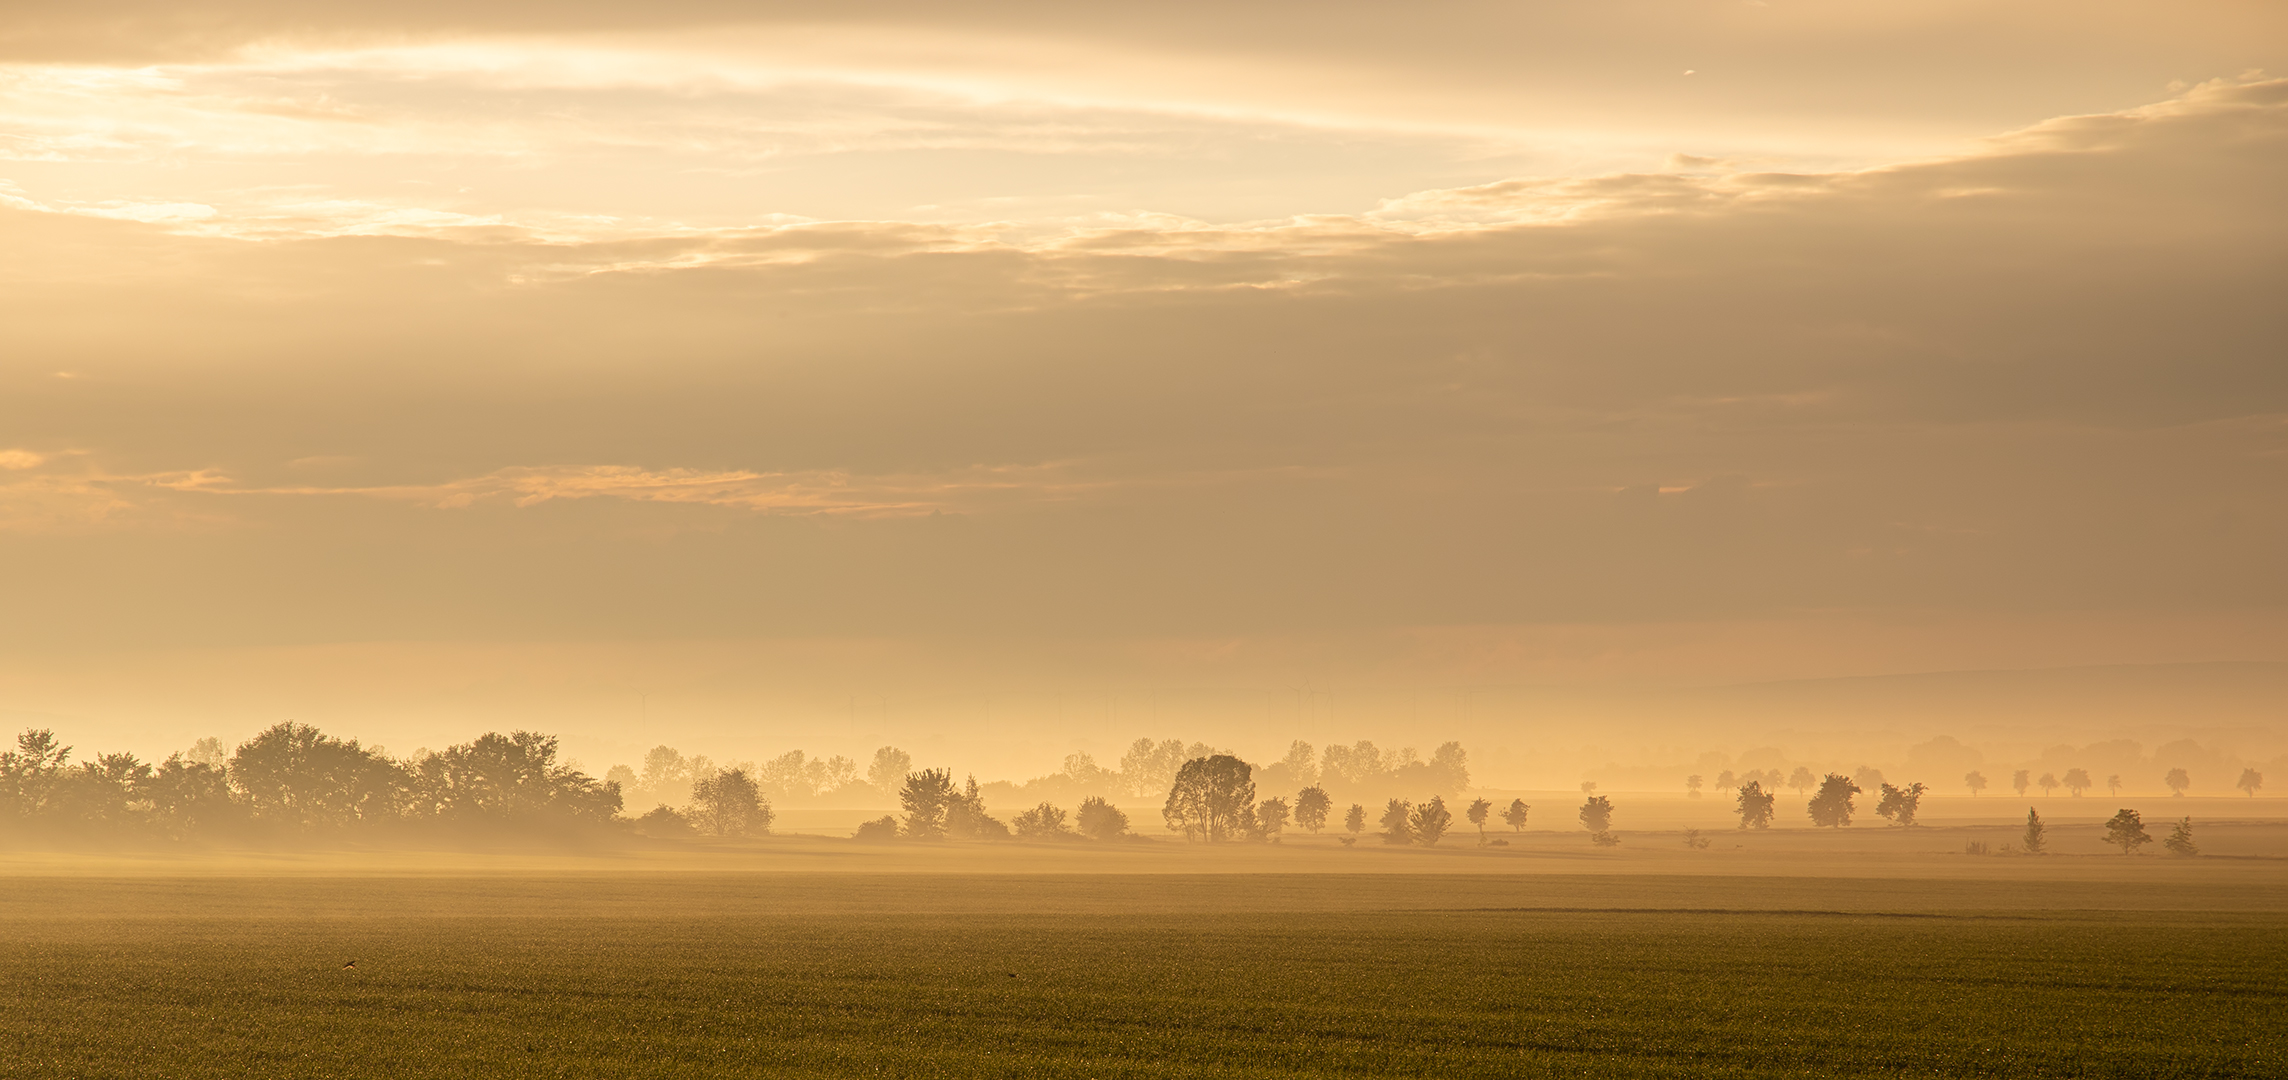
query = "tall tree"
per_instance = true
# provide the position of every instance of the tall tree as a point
(1271, 817)
(925, 798)
(2127, 832)
(1354, 819)
(1430, 821)
(730, 803)
(2113, 784)
(2021, 780)
(1212, 799)
(2077, 781)
(1312, 806)
(1832, 807)
(2035, 831)
(31, 773)
(1398, 822)
(1755, 805)
(1449, 768)
(890, 768)
(2180, 841)
(1478, 811)
(1514, 816)
(965, 816)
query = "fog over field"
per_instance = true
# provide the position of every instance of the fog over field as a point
(1501, 538)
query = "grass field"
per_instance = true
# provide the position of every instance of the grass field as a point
(1110, 975)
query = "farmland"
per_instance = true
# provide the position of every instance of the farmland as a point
(725, 966)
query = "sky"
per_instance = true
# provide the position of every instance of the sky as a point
(1009, 379)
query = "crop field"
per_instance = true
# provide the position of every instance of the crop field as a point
(1107, 975)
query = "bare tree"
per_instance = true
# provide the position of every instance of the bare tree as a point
(1212, 799)
(2178, 780)
(2180, 841)
(2077, 781)
(2127, 832)
(1516, 814)
(1755, 805)
(1311, 807)
(1832, 807)
(2034, 832)
(1100, 820)
(2251, 782)
(1975, 781)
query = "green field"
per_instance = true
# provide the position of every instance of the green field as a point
(1106, 975)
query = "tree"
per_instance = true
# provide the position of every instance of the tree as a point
(879, 829)
(966, 819)
(1802, 780)
(1311, 807)
(1354, 819)
(2251, 782)
(1867, 777)
(1975, 781)
(1430, 821)
(2127, 832)
(499, 779)
(1100, 820)
(2046, 783)
(2077, 781)
(30, 774)
(890, 768)
(2021, 780)
(1042, 822)
(2034, 831)
(1149, 767)
(730, 803)
(925, 797)
(1516, 814)
(1300, 764)
(1725, 781)
(1478, 810)
(1449, 768)
(1597, 816)
(2113, 784)
(1270, 817)
(1831, 806)
(1900, 803)
(1755, 806)
(1397, 822)
(1692, 786)
(294, 776)
(2178, 781)
(1212, 798)
(2180, 841)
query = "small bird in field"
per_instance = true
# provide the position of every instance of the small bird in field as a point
(1011, 974)
(351, 964)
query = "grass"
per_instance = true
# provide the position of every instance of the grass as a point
(942, 975)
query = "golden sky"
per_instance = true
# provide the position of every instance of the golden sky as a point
(415, 368)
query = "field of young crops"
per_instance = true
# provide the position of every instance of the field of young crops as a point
(947, 975)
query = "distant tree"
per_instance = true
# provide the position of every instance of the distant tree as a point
(2047, 783)
(1212, 799)
(1900, 803)
(2077, 781)
(1354, 819)
(2021, 780)
(492, 779)
(1100, 820)
(1271, 817)
(730, 803)
(1430, 821)
(31, 773)
(1802, 780)
(208, 751)
(2251, 782)
(623, 776)
(1597, 816)
(2034, 831)
(663, 821)
(1693, 839)
(1975, 781)
(1725, 781)
(1302, 767)
(880, 829)
(1831, 806)
(1449, 768)
(1755, 805)
(191, 797)
(2178, 781)
(1692, 786)
(1043, 822)
(1588, 787)
(295, 776)
(1867, 777)
(966, 819)
(1516, 814)
(2113, 784)
(1478, 811)
(2180, 841)
(925, 796)
(1397, 822)
(663, 769)
(1311, 807)
(2127, 832)
(890, 768)
(1148, 768)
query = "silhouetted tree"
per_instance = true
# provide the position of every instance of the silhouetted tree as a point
(1597, 817)
(1100, 820)
(1692, 786)
(1725, 781)
(1975, 781)
(1149, 767)
(294, 776)
(1755, 805)
(1311, 807)
(889, 769)
(730, 803)
(2180, 841)
(2113, 784)
(1354, 819)
(2047, 783)
(190, 798)
(2178, 781)
(1212, 798)
(2021, 780)
(663, 821)
(1271, 817)
(925, 797)
(1802, 780)
(1398, 822)
(1831, 806)
(878, 830)
(2077, 781)
(512, 778)
(1300, 765)
(1478, 811)
(1430, 821)
(1516, 814)
(31, 773)
(2251, 782)
(2127, 832)
(2034, 832)
(966, 819)
(1867, 777)
(1449, 768)
(1040, 823)
(1900, 803)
